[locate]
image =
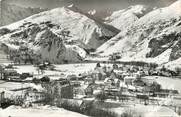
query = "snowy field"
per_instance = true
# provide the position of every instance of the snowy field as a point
(76, 68)
(12, 85)
(59, 69)
(40, 111)
(147, 111)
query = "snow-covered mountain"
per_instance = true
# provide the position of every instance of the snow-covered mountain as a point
(124, 18)
(155, 37)
(61, 34)
(12, 13)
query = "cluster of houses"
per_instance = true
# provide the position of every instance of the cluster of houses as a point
(116, 81)
(124, 82)
(9, 73)
(45, 92)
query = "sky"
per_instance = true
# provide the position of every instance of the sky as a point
(91, 4)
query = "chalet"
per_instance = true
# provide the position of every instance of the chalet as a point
(123, 87)
(11, 74)
(112, 82)
(138, 82)
(115, 66)
(89, 90)
(125, 68)
(113, 75)
(138, 74)
(4, 101)
(146, 71)
(89, 80)
(125, 74)
(59, 89)
(33, 95)
(109, 70)
(121, 74)
(99, 73)
(148, 81)
(129, 80)
(111, 92)
(134, 68)
(118, 71)
(142, 97)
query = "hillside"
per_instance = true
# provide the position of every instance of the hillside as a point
(124, 18)
(155, 37)
(61, 34)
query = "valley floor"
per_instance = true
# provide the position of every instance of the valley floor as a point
(67, 69)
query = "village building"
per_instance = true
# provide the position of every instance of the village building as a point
(115, 66)
(128, 80)
(112, 83)
(123, 86)
(34, 95)
(148, 81)
(59, 89)
(89, 80)
(99, 73)
(164, 93)
(139, 82)
(2, 96)
(11, 74)
(120, 73)
(89, 90)
(113, 75)
(125, 74)
(1, 72)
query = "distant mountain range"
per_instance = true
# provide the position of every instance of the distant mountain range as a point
(124, 18)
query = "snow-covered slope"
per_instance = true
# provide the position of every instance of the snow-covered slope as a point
(155, 35)
(61, 34)
(12, 13)
(48, 111)
(173, 65)
(124, 18)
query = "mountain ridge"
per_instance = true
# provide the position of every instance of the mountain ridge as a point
(77, 33)
(155, 37)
